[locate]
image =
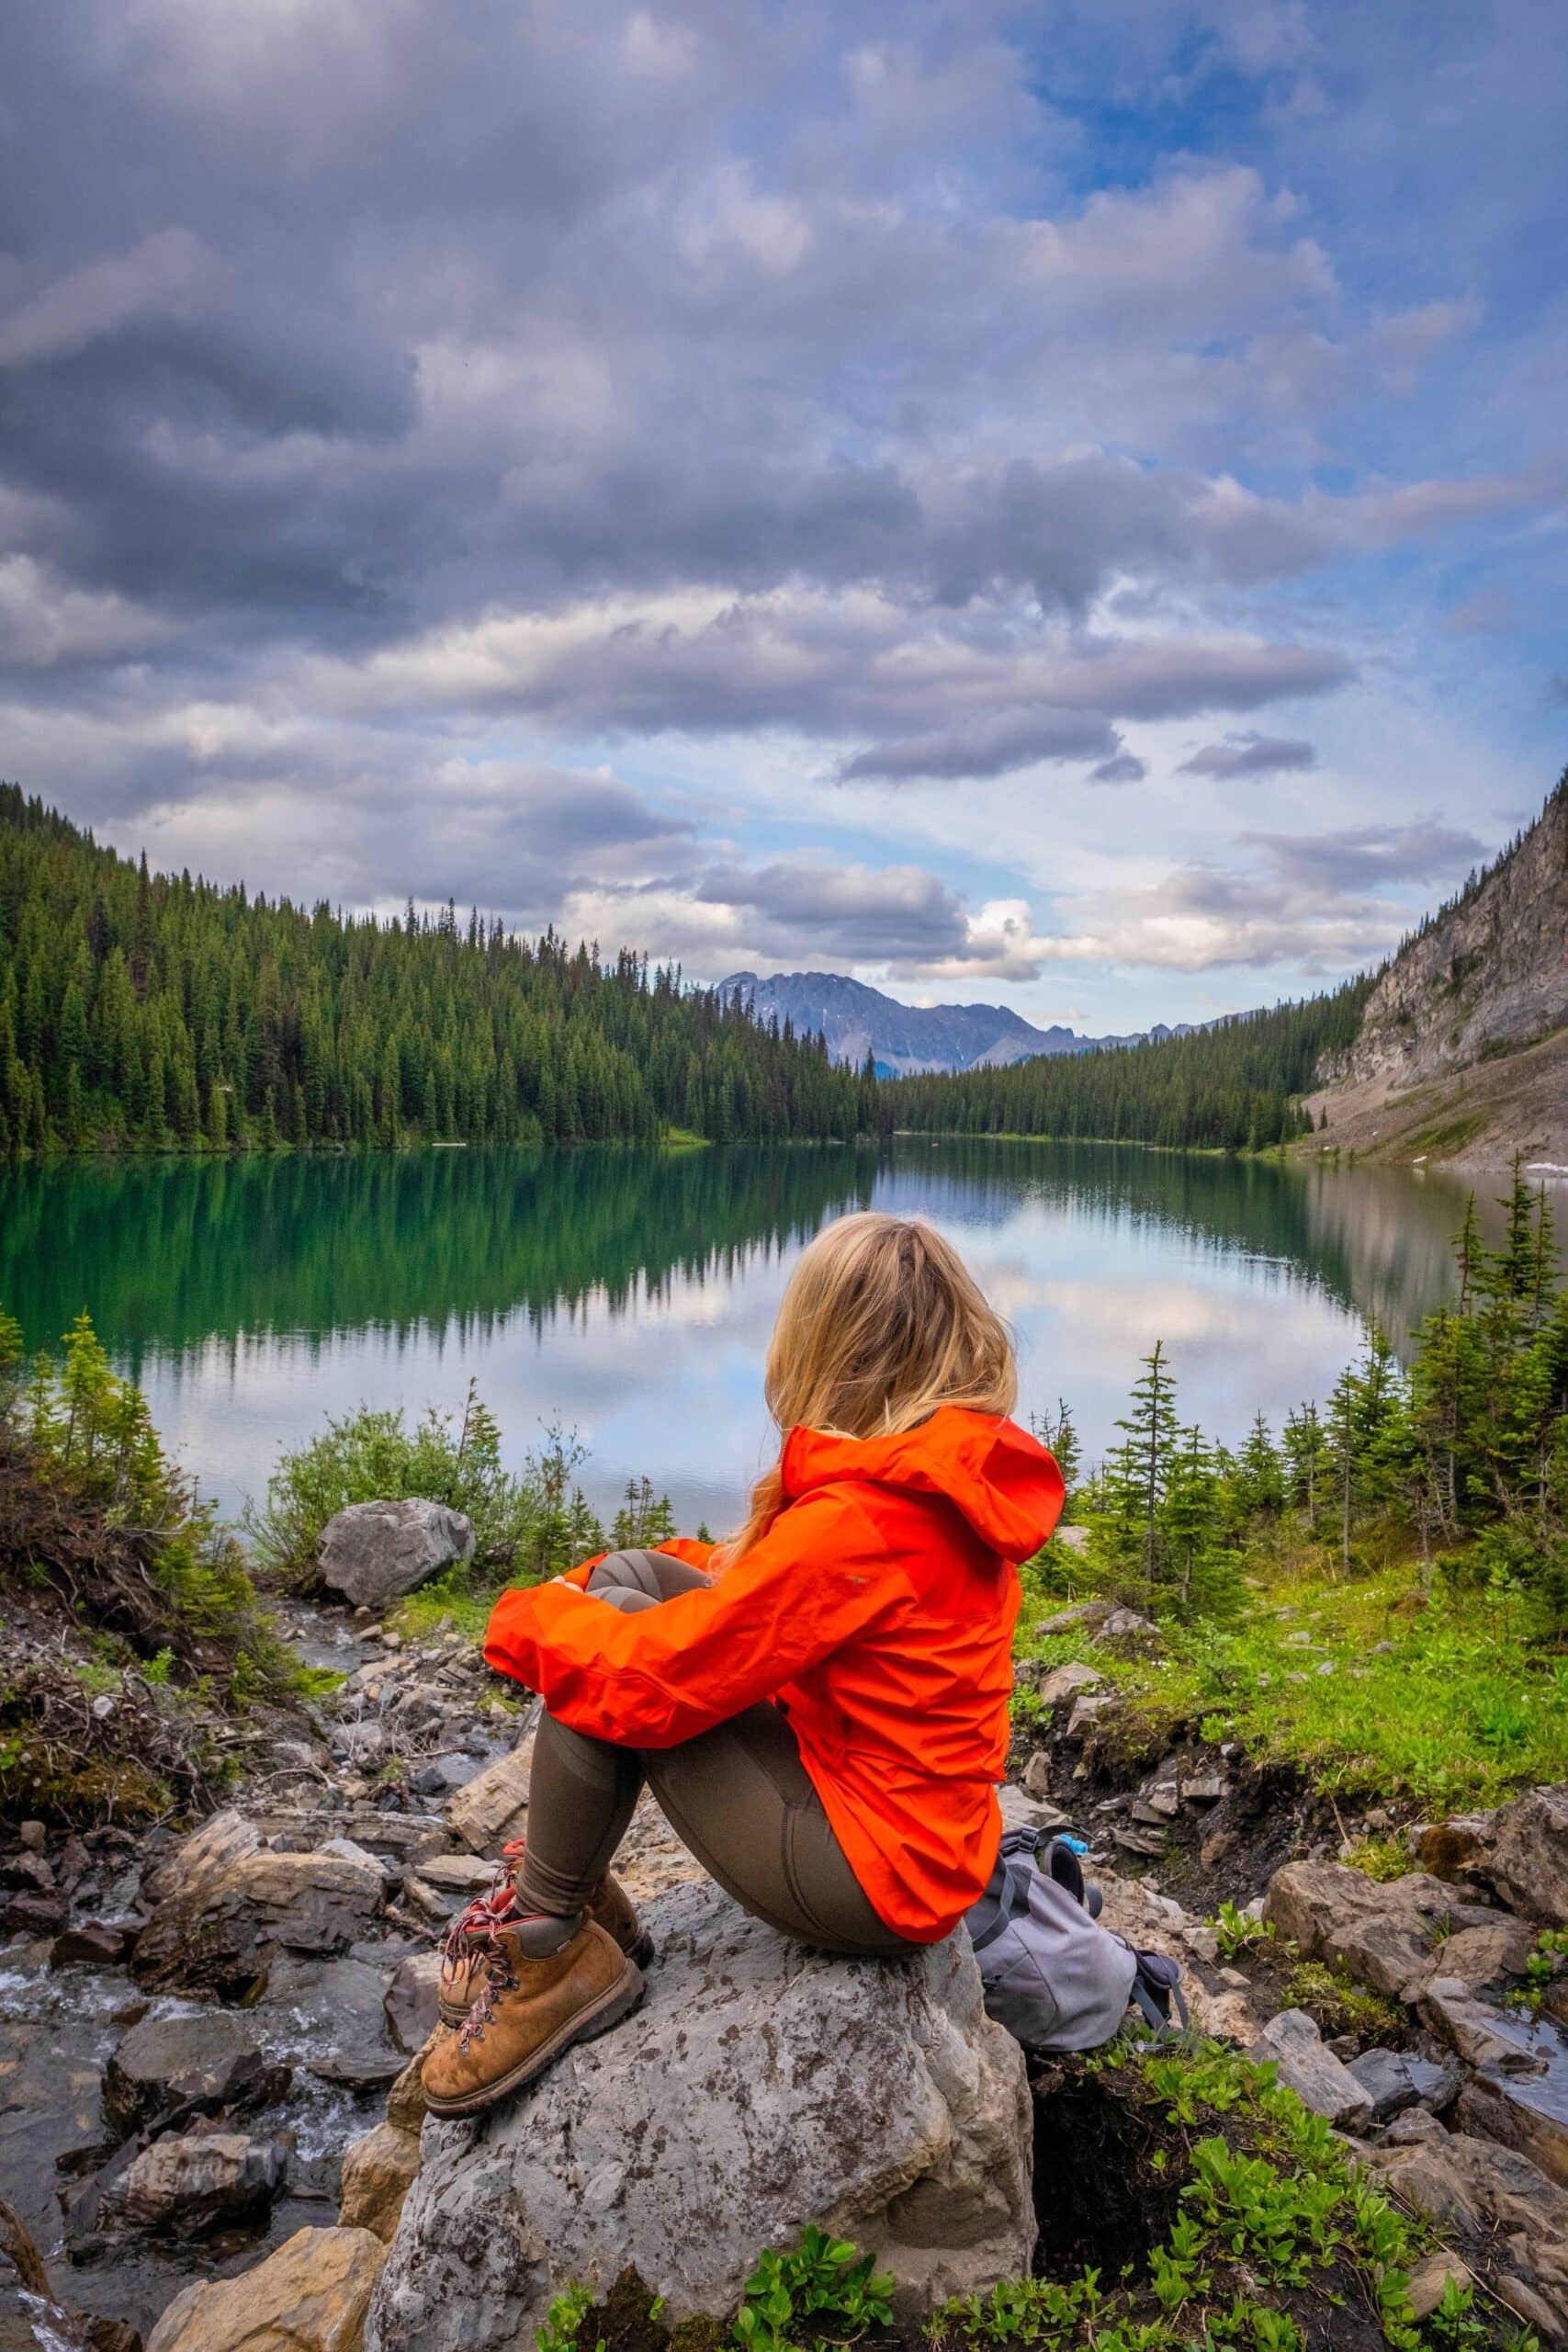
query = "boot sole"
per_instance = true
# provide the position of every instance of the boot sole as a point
(616, 2002)
(639, 1954)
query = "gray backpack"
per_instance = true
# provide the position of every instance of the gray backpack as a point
(1053, 1976)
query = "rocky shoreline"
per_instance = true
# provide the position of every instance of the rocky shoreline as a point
(205, 2041)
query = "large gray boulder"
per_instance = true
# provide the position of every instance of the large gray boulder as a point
(1386, 1935)
(373, 1553)
(760, 2087)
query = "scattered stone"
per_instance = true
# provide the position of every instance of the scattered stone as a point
(1205, 1788)
(34, 1913)
(90, 1946)
(1204, 1944)
(464, 1874)
(1073, 1539)
(886, 2099)
(373, 1553)
(1416, 2123)
(1522, 2111)
(1087, 1712)
(194, 2182)
(310, 2296)
(1395, 2080)
(223, 1902)
(1037, 1775)
(1084, 1616)
(377, 2173)
(1125, 1630)
(1447, 1848)
(1319, 2080)
(410, 2000)
(1526, 1863)
(1485, 2189)
(1432, 2278)
(210, 2060)
(1382, 1932)
(443, 1775)
(492, 1807)
(1487, 1959)
(1218, 1847)
(34, 1837)
(1481, 2036)
(1021, 1811)
(1147, 1842)
(1066, 1682)
(405, 2100)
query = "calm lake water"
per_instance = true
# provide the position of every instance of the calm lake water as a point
(629, 1294)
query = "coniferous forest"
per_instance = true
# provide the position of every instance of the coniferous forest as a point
(156, 1013)
(1232, 1087)
(149, 1012)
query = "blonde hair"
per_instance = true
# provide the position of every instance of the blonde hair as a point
(881, 1324)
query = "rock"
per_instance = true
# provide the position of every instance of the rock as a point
(1083, 1617)
(1384, 1933)
(310, 2296)
(1415, 2124)
(410, 2000)
(443, 1775)
(1021, 1811)
(1066, 1682)
(1073, 1539)
(1482, 2036)
(1484, 2189)
(1319, 2080)
(1486, 1958)
(1125, 1630)
(210, 2060)
(373, 1553)
(90, 1946)
(761, 2087)
(190, 2183)
(1203, 1788)
(1037, 1776)
(34, 1837)
(223, 1902)
(1087, 1712)
(1521, 2111)
(405, 2100)
(1447, 1848)
(493, 1808)
(1432, 2280)
(464, 1874)
(34, 1913)
(1395, 2079)
(1218, 1847)
(1527, 1862)
(377, 2171)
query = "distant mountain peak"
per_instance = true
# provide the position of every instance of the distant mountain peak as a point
(905, 1040)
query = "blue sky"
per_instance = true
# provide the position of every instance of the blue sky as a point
(1060, 504)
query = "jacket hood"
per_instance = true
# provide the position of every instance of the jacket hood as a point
(1003, 1480)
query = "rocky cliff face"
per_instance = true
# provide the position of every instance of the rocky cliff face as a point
(1489, 977)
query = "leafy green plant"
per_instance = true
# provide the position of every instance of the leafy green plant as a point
(1235, 1929)
(562, 2321)
(1384, 1859)
(822, 2291)
(1339, 2005)
(1541, 1967)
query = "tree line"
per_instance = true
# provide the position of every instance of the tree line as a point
(159, 1013)
(1463, 1458)
(1234, 1086)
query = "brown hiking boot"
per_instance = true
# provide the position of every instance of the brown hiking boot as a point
(527, 2013)
(467, 1943)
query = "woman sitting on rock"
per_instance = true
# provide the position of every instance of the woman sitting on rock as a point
(819, 1706)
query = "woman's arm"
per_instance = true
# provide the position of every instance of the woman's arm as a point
(659, 1676)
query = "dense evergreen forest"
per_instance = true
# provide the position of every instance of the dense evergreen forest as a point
(1233, 1087)
(156, 1013)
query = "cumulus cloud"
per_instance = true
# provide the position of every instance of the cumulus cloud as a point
(402, 409)
(1250, 755)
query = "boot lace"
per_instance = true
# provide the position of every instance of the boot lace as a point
(500, 1978)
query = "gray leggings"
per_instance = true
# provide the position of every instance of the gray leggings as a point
(739, 1797)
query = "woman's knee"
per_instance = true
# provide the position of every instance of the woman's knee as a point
(625, 1579)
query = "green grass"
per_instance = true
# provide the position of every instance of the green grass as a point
(1445, 1701)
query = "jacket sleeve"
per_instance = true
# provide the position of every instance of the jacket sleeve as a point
(656, 1677)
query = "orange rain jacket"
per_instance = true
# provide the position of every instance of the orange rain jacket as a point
(877, 1610)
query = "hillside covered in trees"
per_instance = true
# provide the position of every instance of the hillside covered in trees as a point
(157, 1013)
(1233, 1086)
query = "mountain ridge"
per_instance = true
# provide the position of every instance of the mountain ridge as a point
(907, 1040)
